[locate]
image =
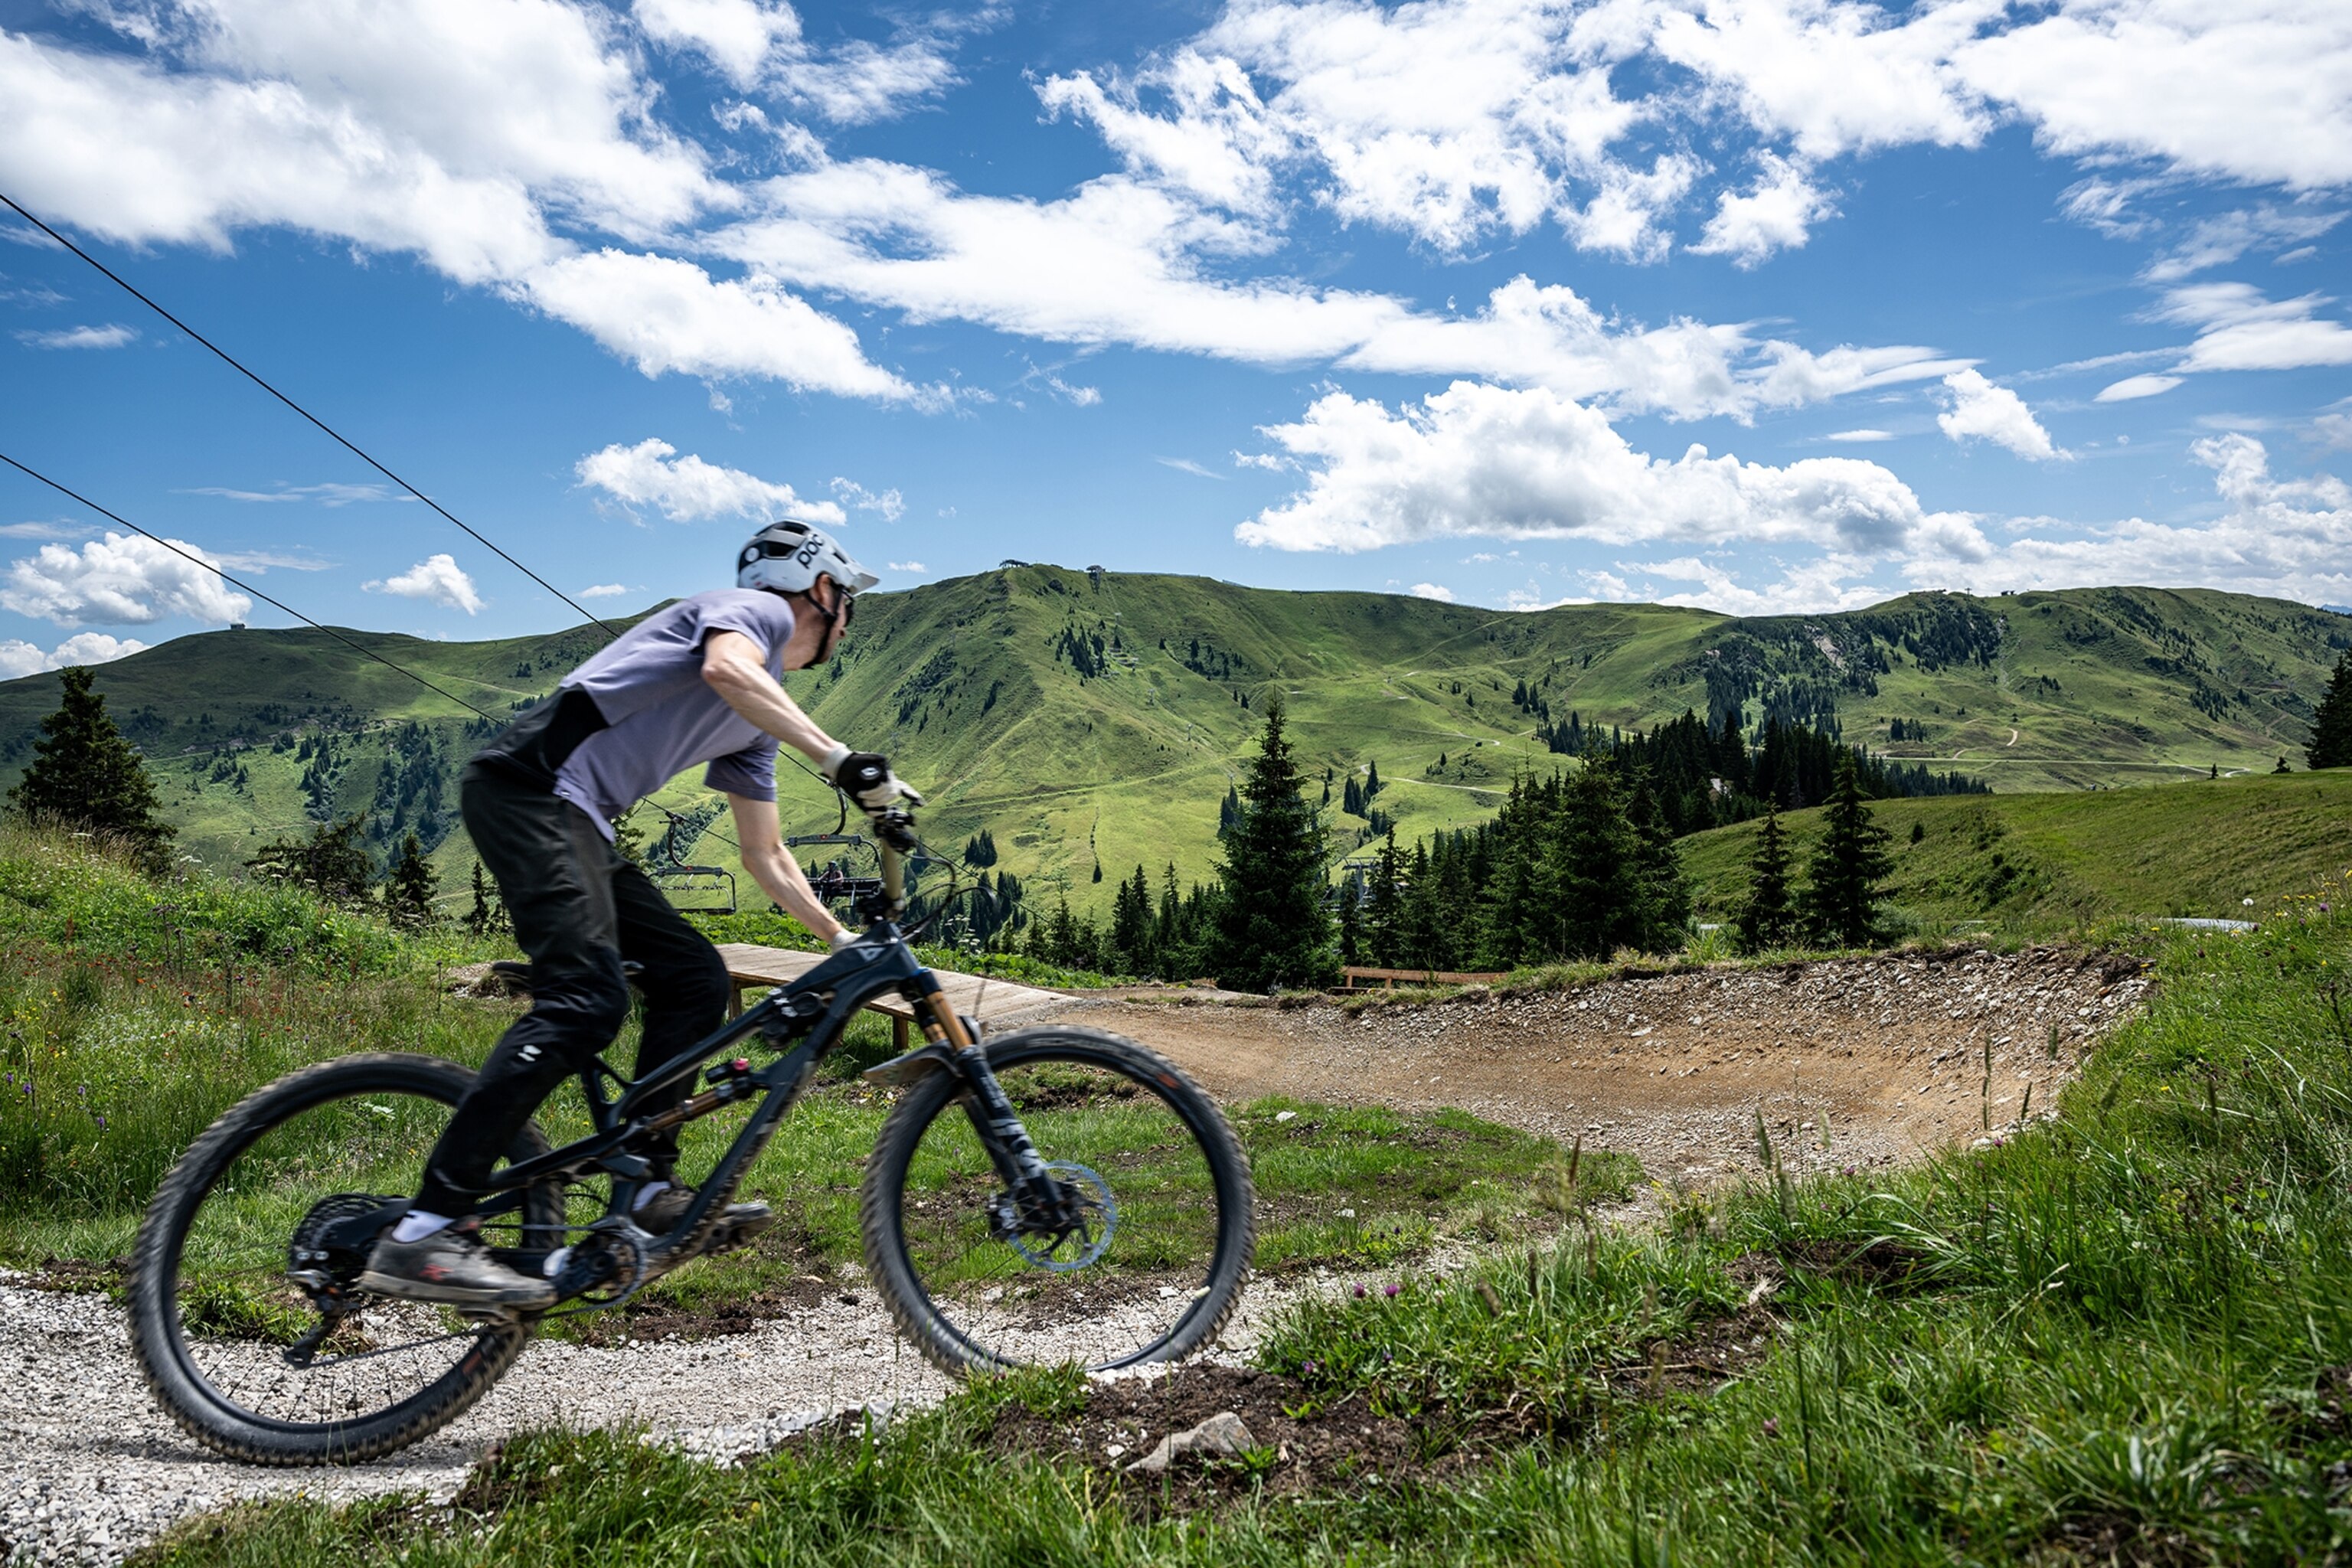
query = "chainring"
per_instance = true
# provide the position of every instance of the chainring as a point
(306, 1251)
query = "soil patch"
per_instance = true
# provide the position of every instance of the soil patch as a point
(1299, 1445)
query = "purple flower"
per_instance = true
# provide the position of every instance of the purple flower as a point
(1360, 1292)
(101, 1121)
(1849, 1170)
(1771, 1427)
(1389, 1290)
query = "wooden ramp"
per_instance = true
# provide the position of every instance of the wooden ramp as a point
(980, 996)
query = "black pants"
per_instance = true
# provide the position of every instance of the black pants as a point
(579, 910)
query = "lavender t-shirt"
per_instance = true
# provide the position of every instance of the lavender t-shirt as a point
(661, 719)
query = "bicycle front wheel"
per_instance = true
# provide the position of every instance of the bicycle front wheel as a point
(1157, 1267)
(245, 1315)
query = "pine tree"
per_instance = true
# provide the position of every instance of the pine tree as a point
(1666, 903)
(1593, 877)
(1766, 920)
(1352, 921)
(1272, 928)
(1841, 902)
(86, 776)
(2331, 724)
(487, 912)
(409, 886)
(331, 862)
(1130, 924)
(1383, 934)
(1371, 781)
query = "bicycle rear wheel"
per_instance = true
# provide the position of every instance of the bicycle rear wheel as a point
(1157, 1270)
(244, 1311)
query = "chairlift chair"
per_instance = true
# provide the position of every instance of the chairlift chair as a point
(691, 889)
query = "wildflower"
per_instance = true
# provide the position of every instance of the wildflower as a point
(1389, 1290)
(1360, 1292)
(1771, 1427)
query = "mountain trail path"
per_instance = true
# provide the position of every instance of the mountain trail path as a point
(1851, 1063)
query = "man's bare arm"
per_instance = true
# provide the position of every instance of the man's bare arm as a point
(731, 667)
(772, 866)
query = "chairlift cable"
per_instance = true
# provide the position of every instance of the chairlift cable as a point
(239, 583)
(331, 433)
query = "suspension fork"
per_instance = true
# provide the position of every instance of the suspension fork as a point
(991, 1113)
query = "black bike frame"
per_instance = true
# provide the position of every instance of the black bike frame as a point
(813, 1009)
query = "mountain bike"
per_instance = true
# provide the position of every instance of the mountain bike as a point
(1051, 1195)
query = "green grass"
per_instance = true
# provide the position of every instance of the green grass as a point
(2035, 865)
(2124, 1335)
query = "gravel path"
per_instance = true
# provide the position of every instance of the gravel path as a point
(90, 1469)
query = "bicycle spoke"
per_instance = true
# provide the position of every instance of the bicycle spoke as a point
(1160, 1216)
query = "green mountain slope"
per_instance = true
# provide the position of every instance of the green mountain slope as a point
(1086, 717)
(2036, 863)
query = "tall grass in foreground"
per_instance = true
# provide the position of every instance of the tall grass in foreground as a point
(2119, 1337)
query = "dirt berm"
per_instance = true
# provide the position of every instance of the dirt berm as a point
(1852, 1062)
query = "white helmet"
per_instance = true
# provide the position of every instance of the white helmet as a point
(788, 557)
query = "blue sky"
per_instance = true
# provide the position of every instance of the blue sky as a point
(1760, 304)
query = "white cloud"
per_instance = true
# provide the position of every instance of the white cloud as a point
(756, 46)
(603, 591)
(1218, 146)
(18, 657)
(1860, 435)
(1444, 119)
(688, 490)
(324, 494)
(438, 578)
(856, 497)
(468, 134)
(664, 314)
(1187, 465)
(1982, 411)
(1436, 591)
(2135, 386)
(913, 568)
(1497, 462)
(2240, 328)
(2253, 90)
(1116, 262)
(2289, 539)
(2221, 239)
(1777, 214)
(110, 336)
(120, 579)
(1834, 77)
(735, 35)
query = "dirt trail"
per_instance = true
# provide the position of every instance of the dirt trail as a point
(1884, 1058)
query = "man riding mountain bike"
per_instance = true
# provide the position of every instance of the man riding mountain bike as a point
(697, 683)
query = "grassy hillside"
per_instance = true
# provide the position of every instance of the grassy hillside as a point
(1086, 718)
(2034, 863)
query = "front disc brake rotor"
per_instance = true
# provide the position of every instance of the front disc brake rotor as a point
(1059, 1252)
